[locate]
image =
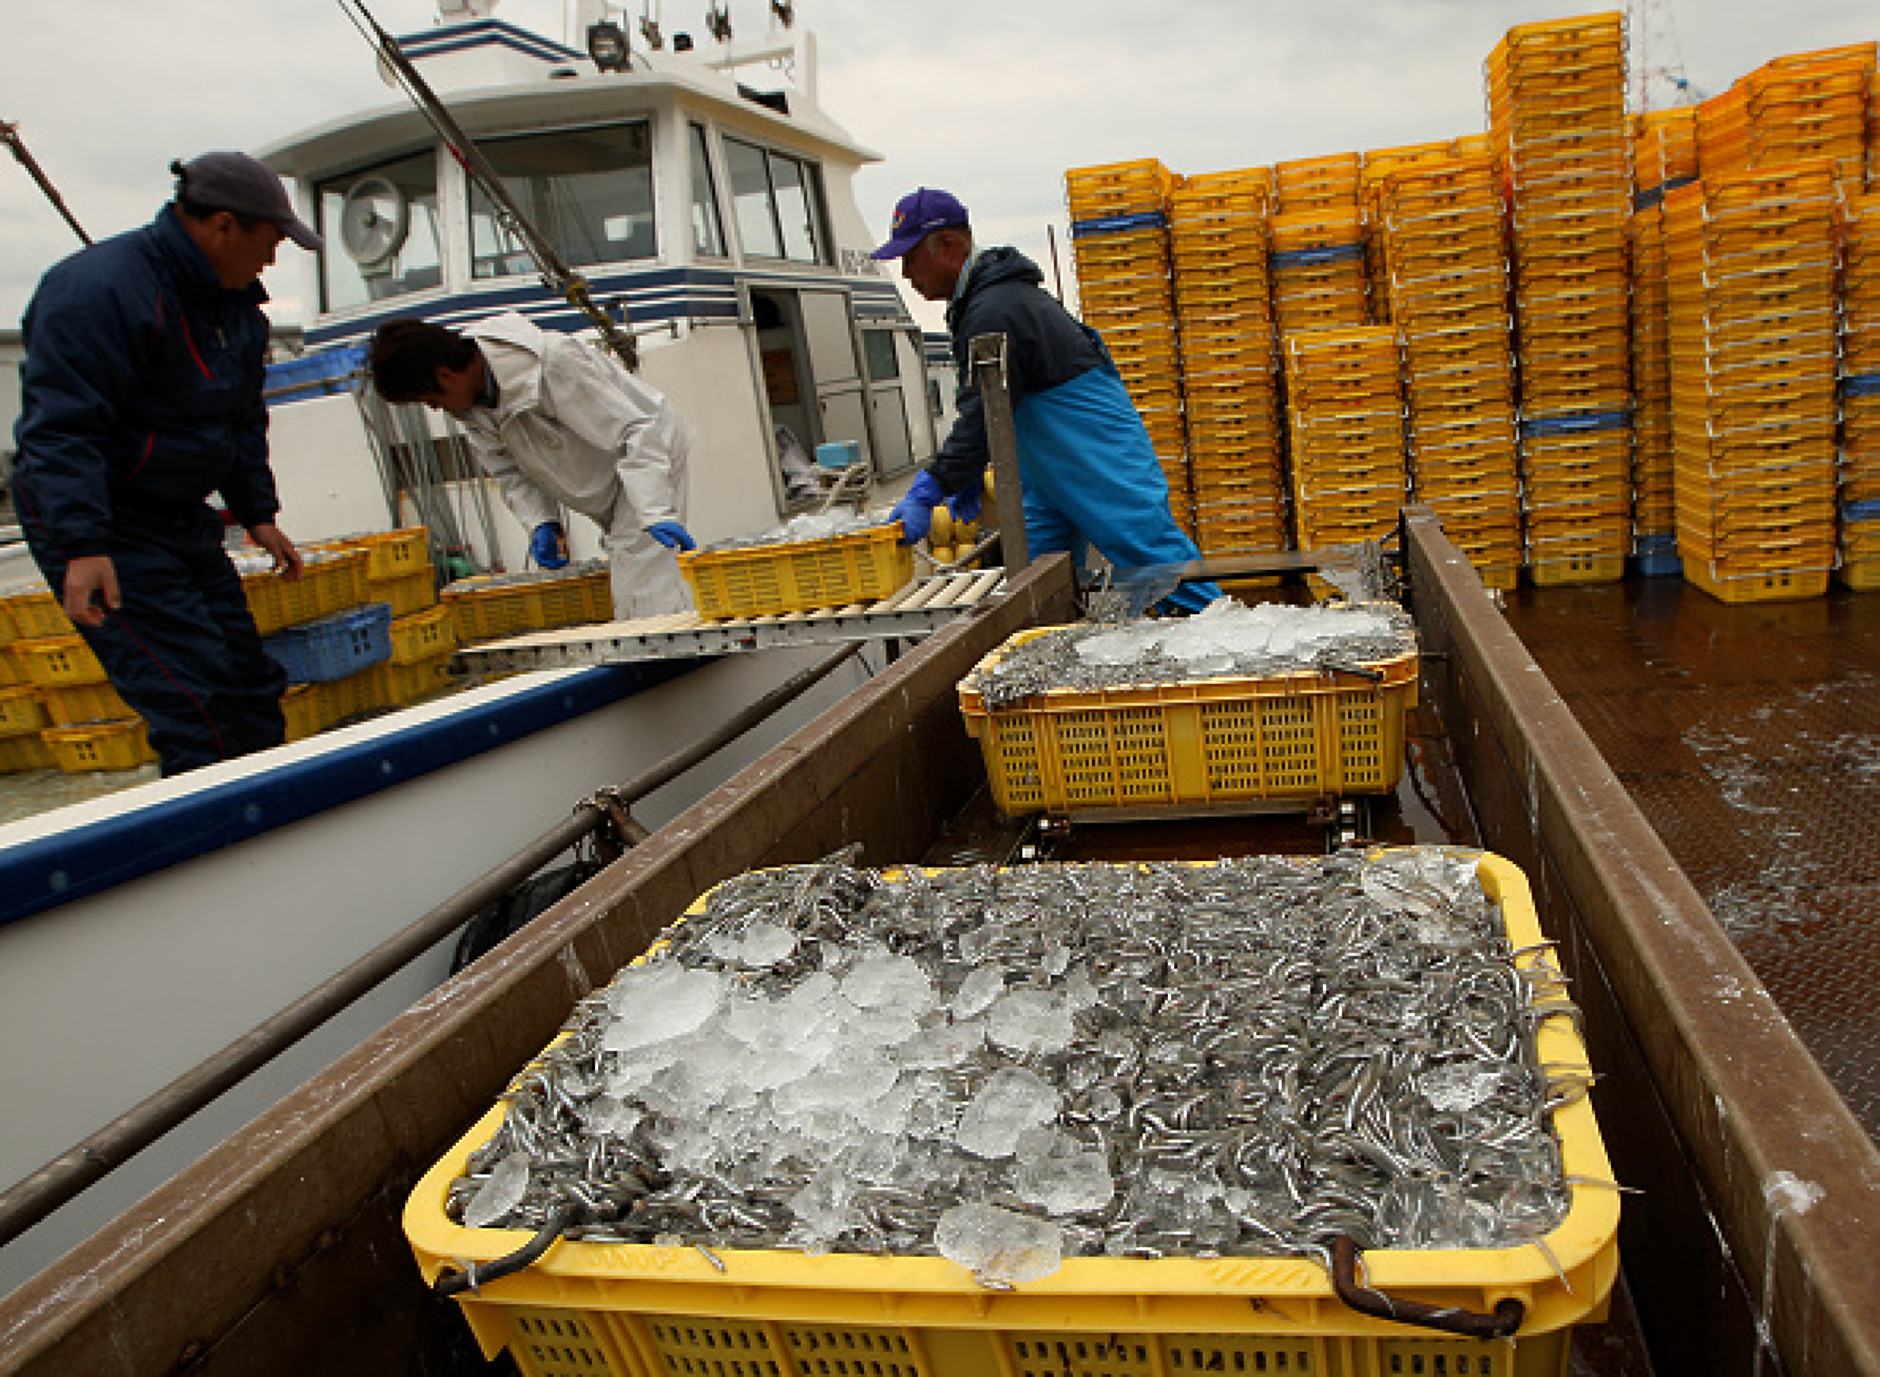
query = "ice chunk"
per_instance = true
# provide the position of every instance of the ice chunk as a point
(765, 944)
(999, 1245)
(499, 1194)
(861, 1075)
(826, 1205)
(1011, 1101)
(1059, 1173)
(976, 993)
(1028, 1020)
(654, 1002)
(883, 981)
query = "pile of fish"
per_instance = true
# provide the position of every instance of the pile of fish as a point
(804, 528)
(1226, 639)
(1007, 1067)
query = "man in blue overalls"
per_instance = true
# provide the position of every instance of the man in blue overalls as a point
(1086, 464)
(142, 395)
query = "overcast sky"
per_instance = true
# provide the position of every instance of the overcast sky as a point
(993, 100)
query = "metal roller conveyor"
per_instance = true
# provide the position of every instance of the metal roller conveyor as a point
(920, 607)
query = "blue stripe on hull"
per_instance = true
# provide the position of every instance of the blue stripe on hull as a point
(97, 856)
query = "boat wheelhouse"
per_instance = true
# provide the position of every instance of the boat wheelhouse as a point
(713, 219)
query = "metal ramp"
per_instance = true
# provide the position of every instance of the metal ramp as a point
(921, 607)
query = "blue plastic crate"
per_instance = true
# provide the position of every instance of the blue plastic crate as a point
(336, 646)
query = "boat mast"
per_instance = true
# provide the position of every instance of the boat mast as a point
(557, 276)
(10, 132)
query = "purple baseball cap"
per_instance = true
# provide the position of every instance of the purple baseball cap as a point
(918, 214)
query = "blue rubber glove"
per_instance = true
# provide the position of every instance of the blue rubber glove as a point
(548, 547)
(915, 511)
(967, 503)
(672, 535)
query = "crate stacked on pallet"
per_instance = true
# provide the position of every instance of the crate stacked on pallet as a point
(1860, 393)
(1344, 412)
(1448, 301)
(1218, 243)
(1119, 239)
(1753, 363)
(1556, 110)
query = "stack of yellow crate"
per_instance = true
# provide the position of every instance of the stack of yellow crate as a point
(1345, 419)
(1664, 155)
(1654, 503)
(1860, 392)
(1119, 238)
(1378, 164)
(1556, 105)
(1751, 282)
(1318, 244)
(1448, 300)
(57, 708)
(1664, 149)
(1218, 231)
(1318, 269)
(399, 573)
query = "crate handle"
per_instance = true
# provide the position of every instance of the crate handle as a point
(1450, 1319)
(474, 1276)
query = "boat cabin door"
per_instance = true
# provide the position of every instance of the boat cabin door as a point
(810, 360)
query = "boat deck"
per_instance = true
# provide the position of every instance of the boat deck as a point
(1749, 735)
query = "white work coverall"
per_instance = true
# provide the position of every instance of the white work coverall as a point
(572, 427)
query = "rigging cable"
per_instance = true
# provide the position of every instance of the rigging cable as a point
(557, 276)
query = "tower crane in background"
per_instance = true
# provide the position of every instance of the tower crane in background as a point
(1657, 63)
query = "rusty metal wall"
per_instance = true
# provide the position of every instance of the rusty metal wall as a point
(1708, 1101)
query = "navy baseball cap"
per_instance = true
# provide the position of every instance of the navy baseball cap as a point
(918, 214)
(239, 183)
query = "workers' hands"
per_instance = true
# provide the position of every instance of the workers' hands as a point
(915, 511)
(274, 540)
(672, 535)
(548, 547)
(91, 589)
(967, 503)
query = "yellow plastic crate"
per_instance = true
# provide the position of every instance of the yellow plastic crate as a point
(32, 612)
(397, 684)
(27, 752)
(391, 554)
(1300, 736)
(423, 636)
(330, 581)
(91, 746)
(766, 580)
(20, 711)
(66, 704)
(641, 1310)
(486, 607)
(51, 661)
(406, 593)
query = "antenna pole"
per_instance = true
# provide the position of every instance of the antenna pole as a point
(11, 133)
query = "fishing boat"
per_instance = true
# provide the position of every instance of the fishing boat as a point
(706, 198)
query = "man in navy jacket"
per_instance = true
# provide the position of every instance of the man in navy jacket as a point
(141, 395)
(1086, 464)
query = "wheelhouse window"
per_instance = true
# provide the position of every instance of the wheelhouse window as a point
(589, 192)
(381, 232)
(708, 228)
(778, 203)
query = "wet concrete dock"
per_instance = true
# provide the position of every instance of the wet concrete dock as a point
(1749, 735)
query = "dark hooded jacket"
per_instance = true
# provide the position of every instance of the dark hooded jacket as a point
(1045, 346)
(141, 395)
